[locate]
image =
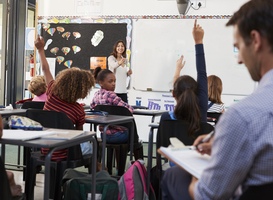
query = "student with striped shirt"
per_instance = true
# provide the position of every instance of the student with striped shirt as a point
(63, 93)
(214, 93)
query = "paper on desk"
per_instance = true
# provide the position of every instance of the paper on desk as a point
(17, 134)
(190, 160)
(63, 134)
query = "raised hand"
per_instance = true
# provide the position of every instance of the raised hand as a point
(39, 42)
(129, 72)
(179, 66)
(198, 33)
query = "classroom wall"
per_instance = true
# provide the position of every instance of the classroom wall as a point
(156, 100)
(138, 7)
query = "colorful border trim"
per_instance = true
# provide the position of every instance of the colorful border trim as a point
(83, 19)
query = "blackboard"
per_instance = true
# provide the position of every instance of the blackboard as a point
(158, 43)
(81, 59)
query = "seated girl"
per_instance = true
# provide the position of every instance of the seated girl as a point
(214, 92)
(192, 98)
(107, 96)
(37, 86)
(62, 94)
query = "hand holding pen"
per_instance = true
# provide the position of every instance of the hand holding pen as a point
(203, 143)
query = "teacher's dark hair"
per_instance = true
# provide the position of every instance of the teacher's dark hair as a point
(102, 74)
(115, 53)
(185, 91)
(254, 15)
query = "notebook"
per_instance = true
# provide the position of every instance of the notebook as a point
(189, 160)
(17, 134)
(63, 134)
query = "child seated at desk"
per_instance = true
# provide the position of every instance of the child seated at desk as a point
(192, 102)
(191, 96)
(214, 92)
(62, 94)
(107, 96)
(37, 86)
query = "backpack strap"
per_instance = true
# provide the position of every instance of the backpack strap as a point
(209, 106)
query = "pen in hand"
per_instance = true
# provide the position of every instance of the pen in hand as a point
(207, 138)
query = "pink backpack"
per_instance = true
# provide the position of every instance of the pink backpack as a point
(132, 185)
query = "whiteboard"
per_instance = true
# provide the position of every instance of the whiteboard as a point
(158, 43)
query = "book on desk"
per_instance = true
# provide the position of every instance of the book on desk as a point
(53, 134)
(63, 134)
(189, 160)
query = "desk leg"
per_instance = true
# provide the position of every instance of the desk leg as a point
(47, 173)
(150, 157)
(104, 146)
(132, 141)
(3, 151)
(153, 118)
(94, 165)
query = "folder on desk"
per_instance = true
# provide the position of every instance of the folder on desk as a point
(189, 160)
(62, 134)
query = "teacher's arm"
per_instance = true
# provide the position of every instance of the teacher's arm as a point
(40, 43)
(129, 72)
(113, 63)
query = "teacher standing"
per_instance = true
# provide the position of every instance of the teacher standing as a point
(117, 63)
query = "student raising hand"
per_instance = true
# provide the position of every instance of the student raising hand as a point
(198, 33)
(179, 66)
(39, 42)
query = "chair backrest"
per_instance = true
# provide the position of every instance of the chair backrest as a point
(54, 119)
(118, 110)
(214, 115)
(179, 129)
(33, 104)
(50, 118)
(114, 110)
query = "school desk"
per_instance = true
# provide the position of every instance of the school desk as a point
(113, 120)
(7, 113)
(54, 145)
(147, 112)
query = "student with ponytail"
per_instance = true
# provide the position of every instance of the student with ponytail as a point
(191, 96)
(192, 102)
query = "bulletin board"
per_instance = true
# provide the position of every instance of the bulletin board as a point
(156, 50)
(73, 44)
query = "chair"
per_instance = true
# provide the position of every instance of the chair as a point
(54, 119)
(123, 148)
(27, 103)
(179, 129)
(214, 115)
(258, 192)
(5, 192)
(33, 104)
